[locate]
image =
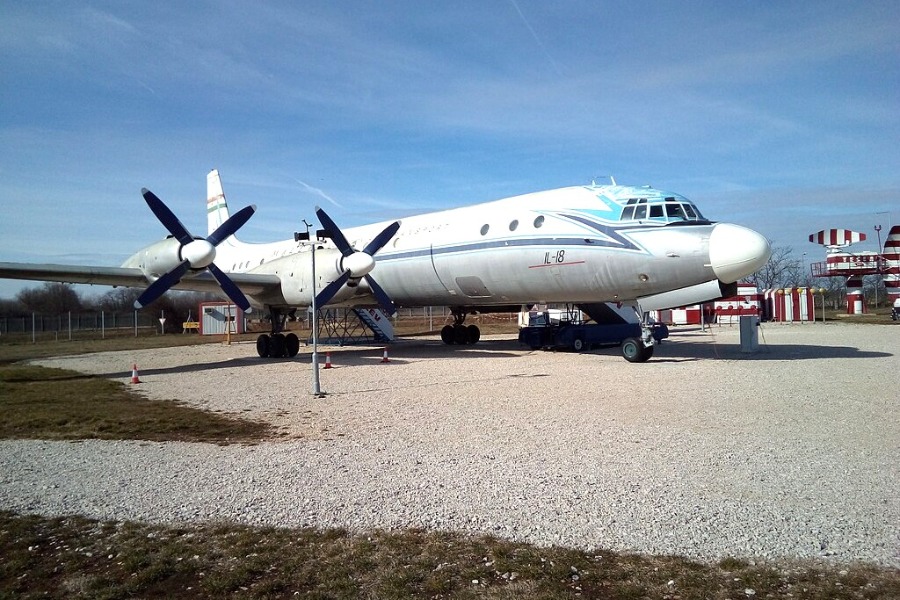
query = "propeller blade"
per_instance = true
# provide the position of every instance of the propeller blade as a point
(229, 287)
(383, 299)
(234, 222)
(382, 238)
(331, 289)
(162, 285)
(167, 217)
(336, 234)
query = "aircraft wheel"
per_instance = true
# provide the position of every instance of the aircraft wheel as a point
(277, 346)
(447, 334)
(578, 344)
(473, 333)
(461, 335)
(262, 346)
(292, 344)
(633, 350)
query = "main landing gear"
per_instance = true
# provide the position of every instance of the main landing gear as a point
(277, 344)
(458, 333)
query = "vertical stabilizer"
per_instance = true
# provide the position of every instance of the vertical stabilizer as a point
(891, 264)
(216, 207)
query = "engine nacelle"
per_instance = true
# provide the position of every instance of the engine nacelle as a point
(695, 294)
(156, 259)
(296, 276)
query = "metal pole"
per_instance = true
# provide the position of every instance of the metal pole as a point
(317, 389)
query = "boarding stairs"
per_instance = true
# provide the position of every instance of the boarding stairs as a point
(345, 326)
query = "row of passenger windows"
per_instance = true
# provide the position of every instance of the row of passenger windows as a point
(514, 224)
(670, 210)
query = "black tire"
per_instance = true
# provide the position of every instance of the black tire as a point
(262, 346)
(447, 334)
(474, 334)
(460, 335)
(277, 346)
(633, 350)
(292, 344)
(578, 344)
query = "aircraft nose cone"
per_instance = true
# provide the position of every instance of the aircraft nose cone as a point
(736, 252)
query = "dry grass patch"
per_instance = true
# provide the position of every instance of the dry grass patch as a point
(74, 557)
(56, 404)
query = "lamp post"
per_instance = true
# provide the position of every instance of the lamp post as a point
(317, 389)
(822, 292)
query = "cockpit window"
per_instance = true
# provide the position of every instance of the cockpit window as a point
(673, 211)
(666, 210)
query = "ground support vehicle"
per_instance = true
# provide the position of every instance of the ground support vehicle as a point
(585, 336)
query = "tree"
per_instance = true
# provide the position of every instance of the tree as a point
(50, 299)
(119, 299)
(781, 270)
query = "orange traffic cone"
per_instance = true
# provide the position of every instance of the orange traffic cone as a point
(327, 360)
(134, 374)
(384, 357)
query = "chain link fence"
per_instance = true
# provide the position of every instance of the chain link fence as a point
(71, 325)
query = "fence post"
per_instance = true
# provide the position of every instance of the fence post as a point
(70, 325)
(33, 329)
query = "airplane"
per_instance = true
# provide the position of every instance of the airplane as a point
(584, 245)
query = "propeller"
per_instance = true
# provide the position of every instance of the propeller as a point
(357, 264)
(196, 253)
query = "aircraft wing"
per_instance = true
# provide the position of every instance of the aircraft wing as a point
(250, 283)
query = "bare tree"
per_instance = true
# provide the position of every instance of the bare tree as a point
(50, 299)
(119, 299)
(781, 270)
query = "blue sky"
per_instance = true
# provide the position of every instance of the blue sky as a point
(782, 116)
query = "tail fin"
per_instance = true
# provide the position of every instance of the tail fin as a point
(891, 264)
(216, 206)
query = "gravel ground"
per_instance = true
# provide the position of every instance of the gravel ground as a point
(703, 451)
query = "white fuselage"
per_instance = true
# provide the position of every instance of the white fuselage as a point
(580, 244)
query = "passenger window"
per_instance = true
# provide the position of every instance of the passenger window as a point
(484, 229)
(539, 221)
(513, 225)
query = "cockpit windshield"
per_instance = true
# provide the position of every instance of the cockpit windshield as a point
(663, 210)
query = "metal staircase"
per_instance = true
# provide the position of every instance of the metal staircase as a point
(345, 327)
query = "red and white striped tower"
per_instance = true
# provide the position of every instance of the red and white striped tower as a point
(891, 264)
(856, 304)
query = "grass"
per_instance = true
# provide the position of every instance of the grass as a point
(74, 557)
(56, 404)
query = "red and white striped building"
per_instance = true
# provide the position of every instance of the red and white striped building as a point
(853, 266)
(790, 304)
(747, 301)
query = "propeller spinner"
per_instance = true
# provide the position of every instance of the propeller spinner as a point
(357, 264)
(196, 253)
